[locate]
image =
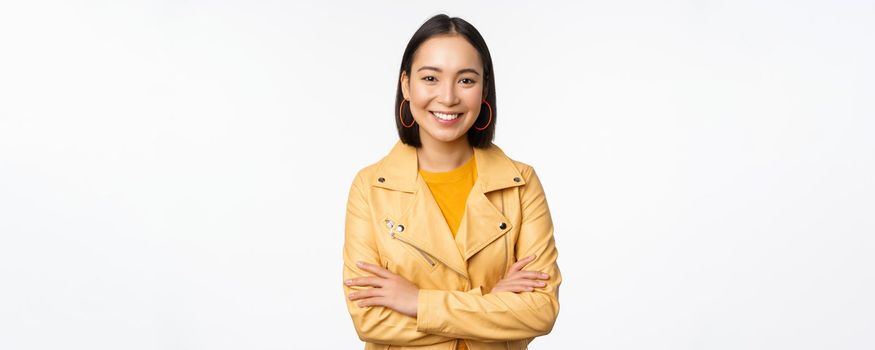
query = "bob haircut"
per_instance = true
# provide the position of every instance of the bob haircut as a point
(440, 25)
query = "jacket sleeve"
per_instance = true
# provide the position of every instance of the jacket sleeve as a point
(375, 324)
(504, 315)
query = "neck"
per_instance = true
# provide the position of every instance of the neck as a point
(438, 156)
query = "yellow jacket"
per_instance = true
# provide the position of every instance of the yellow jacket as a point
(393, 221)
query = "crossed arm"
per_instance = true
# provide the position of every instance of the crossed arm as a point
(388, 309)
(395, 292)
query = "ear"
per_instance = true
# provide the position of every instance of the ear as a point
(405, 89)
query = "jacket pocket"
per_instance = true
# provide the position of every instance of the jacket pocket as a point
(416, 251)
(427, 261)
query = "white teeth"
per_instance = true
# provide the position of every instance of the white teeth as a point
(446, 116)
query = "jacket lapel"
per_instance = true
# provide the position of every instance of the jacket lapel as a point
(424, 224)
(482, 222)
(429, 231)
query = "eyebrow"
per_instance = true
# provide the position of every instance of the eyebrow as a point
(463, 70)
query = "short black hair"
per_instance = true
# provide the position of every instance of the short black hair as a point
(438, 25)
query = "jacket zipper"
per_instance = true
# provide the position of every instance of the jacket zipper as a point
(506, 253)
(421, 252)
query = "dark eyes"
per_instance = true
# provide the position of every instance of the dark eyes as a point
(466, 81)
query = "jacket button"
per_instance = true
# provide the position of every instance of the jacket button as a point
(516, 179)
(381, 179)
(399, 228)
(502, 226)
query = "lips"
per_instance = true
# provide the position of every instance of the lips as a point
(446, 119)
(446, 116)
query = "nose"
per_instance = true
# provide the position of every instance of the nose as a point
(448, 96)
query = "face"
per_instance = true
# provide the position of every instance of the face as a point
(445, 88)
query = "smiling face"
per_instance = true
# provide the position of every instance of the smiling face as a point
(444, 89)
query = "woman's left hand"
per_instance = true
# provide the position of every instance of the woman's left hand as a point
(390, 290)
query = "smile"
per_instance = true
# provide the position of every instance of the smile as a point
(444, 116)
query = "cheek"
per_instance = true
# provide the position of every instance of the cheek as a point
(420, 95)
(472, 98)
(419, 102)
(473, 104)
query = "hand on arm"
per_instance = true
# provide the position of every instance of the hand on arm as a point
(500, 316)
(388, 289)
(516, 280)
(374, 324)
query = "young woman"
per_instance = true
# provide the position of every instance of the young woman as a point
(449, 243)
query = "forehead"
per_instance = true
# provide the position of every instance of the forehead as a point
(451, 52)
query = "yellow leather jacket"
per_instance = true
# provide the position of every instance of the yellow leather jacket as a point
(392, 220)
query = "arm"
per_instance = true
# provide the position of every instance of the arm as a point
(504, 315)
(374, 324)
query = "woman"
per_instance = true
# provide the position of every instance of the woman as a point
(449, 243)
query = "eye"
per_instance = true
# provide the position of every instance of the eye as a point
(428, 78)
(467, 81)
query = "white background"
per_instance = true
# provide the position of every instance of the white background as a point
(173, 174)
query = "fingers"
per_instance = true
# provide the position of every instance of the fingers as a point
(517, 266)
(375, 269)
(366, 281)
(509, 287)
(530, 283)
(375, 301)
(517, 287)
(500, 288)
(524, 285)
(533, 275)
(383, 276)
(364, 294)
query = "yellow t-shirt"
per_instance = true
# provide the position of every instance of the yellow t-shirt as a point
(450, 190)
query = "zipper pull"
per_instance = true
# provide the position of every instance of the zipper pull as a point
(389, 226)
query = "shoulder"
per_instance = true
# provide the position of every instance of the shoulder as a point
(367, 174)
(370, 172)
(524, 168)
(532, 186)
(396, 163)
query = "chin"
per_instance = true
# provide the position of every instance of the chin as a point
(447, 138)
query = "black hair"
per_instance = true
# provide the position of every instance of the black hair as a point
(439, 25)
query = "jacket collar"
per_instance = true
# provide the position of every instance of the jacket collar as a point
(400, 169)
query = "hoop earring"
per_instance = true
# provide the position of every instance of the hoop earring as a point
(490, 117)
(401, 115)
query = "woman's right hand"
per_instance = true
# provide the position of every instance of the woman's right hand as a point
(516, 280)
